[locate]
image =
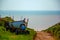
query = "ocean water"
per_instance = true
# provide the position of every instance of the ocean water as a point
(38, 20)
(4, 12)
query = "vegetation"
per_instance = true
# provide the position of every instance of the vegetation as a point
(2, 20)
(7, 35)
(8, 19)
(54, 30)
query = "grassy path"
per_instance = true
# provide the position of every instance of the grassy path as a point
(43, 36)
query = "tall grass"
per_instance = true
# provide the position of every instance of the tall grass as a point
(55, 31)
(7, 35)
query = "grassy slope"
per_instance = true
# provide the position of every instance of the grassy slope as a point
(7, 35)
(55, 31)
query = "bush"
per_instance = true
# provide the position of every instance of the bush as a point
(1, 23)
(54, 30)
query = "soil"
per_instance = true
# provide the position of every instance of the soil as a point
(40, 35)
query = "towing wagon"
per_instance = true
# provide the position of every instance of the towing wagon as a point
(19, 27)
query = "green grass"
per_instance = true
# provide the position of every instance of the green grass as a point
(7, 35)
(55, 31)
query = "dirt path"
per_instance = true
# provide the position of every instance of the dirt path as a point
(43, 36)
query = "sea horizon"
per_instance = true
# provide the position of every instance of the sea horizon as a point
(38, 20)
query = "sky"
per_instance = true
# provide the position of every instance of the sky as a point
(37, 20)
(29, 5)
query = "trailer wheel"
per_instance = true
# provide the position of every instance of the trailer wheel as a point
(11, 30)
(6, 25)
(16, 32)
(7, 28)
(27, 32)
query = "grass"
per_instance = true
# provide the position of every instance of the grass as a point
(7, 35)
(54, 30)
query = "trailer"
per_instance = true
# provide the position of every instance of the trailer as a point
(19, 27)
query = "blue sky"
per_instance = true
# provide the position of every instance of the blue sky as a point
(37, 20)
(29, 4)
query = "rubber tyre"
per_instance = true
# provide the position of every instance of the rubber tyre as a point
(16, 32)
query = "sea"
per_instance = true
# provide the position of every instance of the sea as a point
(38, 20)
